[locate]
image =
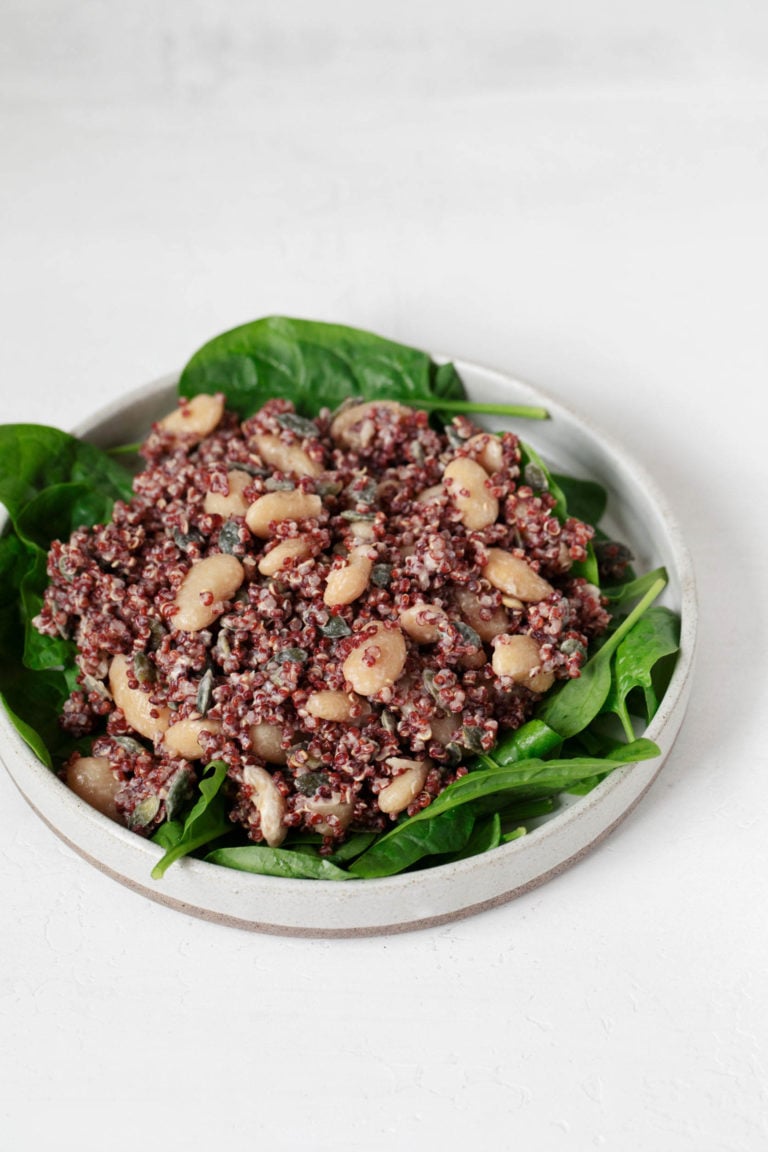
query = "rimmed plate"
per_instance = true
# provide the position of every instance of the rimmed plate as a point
(637, 514)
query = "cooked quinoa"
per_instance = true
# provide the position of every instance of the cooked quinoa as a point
(388, 599)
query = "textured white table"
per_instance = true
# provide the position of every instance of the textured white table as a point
(578, 197)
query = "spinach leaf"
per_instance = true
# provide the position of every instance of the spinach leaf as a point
(407, 842)
(585, 499)
(50, 483)
(532, 739)
(629, 590)
(314, 364)
(414, 839)
(277, 862)
(35, 458)
(207, 821)
(655, 636)
(485, 836)
(578, 702)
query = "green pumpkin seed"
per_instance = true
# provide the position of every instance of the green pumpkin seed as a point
(204, 697)
(336, 628)
(298, 424)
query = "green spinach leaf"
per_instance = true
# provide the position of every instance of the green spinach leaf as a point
(283, 862)
(655, 636)
(571, 708)
(207, 821)
(314, 364)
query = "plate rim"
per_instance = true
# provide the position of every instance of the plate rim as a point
(429, 907)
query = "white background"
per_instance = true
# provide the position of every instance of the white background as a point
(576, 193)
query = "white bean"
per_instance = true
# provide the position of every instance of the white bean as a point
(423, 622)
(144, 717)
(343, 585)
(92, 779)
(195, 418)
(515, 577)
(405, 787)
(297, 548)
(278, 506)
(334, 806)
(519, 658)
(489, 452)
(343, 707)
(355, 425)
(202, 595)
(269, 803)
(486, 622)
(267, 742)
(467, 484)
(183, 737)
(234, 503)
(285, 457)
(377, 661)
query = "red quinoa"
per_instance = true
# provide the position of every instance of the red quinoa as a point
(276, 642)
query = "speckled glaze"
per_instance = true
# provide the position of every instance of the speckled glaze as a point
(637, 514)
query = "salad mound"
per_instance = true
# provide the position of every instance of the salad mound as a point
(333, 627)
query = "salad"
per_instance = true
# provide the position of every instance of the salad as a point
(328, 626)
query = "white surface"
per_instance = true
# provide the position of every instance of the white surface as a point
(575, 193)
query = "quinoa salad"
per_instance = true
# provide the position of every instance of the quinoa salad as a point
(342, 610)
(320, 624)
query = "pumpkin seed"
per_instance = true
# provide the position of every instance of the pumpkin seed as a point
(472, 738)
(534, 477)
(181, 790)
(144, 813)
(128, 744)
(358, 517)
(91, 684)
(336, 628)
(143, 668)
(204, 697)
(308, 782)
(187, 540)
(229, 536)
(298, 424)
(381, 575)
(468, 634)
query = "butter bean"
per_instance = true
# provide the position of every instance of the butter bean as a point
(343, 707)
(489, 453)
(144, 717)
(286, 457)
(515, 577)
(341, 810)
(486, 622)
(271, 562)
(269, 803)
(234, 503)
(519, 658)
(195, 418)
(466, 482)
(423, 622)
(355, 425)
(267, 742)
(202, 595)
(183, 737)
(92, 779)
(278, 506)
(377, 661)
(343, 585)
(405, 787)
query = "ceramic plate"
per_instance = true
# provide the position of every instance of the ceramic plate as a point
(637, 515)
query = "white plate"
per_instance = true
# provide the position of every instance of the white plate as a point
(638, 515)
